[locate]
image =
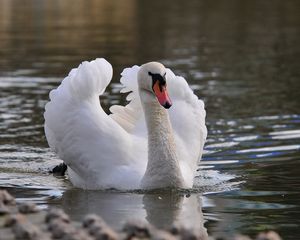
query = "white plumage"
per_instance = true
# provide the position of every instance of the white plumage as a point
(111, 151)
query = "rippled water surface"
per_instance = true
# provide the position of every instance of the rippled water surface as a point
(241, 57)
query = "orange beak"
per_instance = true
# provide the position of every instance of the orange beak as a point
(162, 95)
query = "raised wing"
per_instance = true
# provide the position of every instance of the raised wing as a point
(95, 147)
(187, 116)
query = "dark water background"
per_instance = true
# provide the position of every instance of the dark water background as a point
(241, 57)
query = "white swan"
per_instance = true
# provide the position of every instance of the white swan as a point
(141, 145)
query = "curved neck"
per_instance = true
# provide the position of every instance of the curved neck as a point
(163, 167)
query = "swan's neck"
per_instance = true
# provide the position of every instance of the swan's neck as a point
(163, 167)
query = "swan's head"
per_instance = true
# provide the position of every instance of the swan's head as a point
(152, 79)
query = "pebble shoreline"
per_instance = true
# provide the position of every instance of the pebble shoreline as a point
(25, 221)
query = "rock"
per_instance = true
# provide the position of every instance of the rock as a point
(175, 229)
(27, 230)
(97, 228)
(241, 237)
(162, 235)
(78, 235)
(58, 228)
(13, 219)
(28, 207)
(138, 229)
(270, 235)
(6, 198)
(23, 228)
(91, 219)
(103, 233)
(4, 209)
(188, 234)
(62, 230)
(56, 213)
(6, 202)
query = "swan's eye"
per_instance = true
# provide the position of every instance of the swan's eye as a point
(157, 77)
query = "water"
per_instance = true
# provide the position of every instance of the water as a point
(241, 57)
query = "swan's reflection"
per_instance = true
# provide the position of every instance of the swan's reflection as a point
(162, 210)
(159, 209)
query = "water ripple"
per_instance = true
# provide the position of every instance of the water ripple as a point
(271, 149)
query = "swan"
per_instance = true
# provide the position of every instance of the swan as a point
(155, 141)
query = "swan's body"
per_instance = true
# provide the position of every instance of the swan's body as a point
(141, 145)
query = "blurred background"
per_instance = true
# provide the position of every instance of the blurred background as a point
(241, 57)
